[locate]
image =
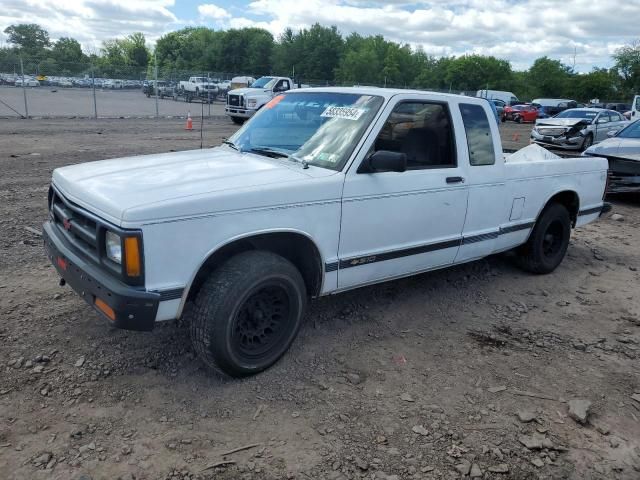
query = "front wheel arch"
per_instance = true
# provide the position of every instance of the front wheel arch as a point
(296, 246)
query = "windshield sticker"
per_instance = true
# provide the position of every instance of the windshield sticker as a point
(274, 101)
(348, 113)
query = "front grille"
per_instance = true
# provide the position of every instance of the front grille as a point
(78, 229)
(235, 100)
(553, 132)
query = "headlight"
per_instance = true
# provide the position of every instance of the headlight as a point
(251, 102)
(113, 247)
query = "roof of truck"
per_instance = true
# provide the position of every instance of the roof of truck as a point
(387, 93)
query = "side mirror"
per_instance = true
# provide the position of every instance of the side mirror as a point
(384, 161)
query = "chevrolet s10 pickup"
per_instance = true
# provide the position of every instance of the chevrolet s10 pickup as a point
(323, 190)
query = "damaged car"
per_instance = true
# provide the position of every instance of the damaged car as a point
(622, 150)
(577, 128)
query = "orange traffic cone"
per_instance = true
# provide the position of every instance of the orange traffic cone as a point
(189, 122)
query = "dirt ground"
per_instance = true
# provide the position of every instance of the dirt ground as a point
(470, 371)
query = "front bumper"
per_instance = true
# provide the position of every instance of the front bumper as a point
(238, 112)
(134, 309)
(561, 141)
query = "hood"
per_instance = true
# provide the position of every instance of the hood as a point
(617, 147)
(140, 188)
(562, 122)
(255, 91)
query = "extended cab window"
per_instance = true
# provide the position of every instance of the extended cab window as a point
(478, 131)
(422, 131)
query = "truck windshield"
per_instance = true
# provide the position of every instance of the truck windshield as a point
(262, 82)
(317, 128)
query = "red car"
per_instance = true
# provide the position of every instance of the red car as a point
(520, 113)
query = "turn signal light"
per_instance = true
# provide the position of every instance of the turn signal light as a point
(133, 265)
(104, 308)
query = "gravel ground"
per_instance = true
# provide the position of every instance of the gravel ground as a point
(78, 102)
(475, 371)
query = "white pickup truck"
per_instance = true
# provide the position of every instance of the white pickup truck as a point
(198, 87)
(243, 103)
(324, 190)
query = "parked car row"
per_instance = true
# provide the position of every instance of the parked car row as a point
(196, 87)
(67, 82)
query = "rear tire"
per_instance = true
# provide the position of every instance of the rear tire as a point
(247, 313)
(548, 242)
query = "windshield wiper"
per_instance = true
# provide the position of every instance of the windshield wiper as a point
(270, 152)
(231, 144)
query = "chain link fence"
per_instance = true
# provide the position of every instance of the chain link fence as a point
(44, 88)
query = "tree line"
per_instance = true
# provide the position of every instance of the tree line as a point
(318, 55)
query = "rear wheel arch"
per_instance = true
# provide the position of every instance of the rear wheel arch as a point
(295, 246)
(567, 198)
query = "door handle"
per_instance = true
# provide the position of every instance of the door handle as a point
(455, 180)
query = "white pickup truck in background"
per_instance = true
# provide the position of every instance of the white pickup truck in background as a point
(200, 87)
(324, 190)
(242, 103)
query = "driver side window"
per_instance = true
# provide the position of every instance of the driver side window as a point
(422, 131)
(282, 86)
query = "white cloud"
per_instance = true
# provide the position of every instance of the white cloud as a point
(209, 10)
(92, 21)
(517, 30)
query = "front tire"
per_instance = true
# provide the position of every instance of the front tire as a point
(247, 313)
(237, 120)
(587, 142)
(548, 242)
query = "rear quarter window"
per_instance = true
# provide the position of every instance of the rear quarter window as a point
(478, 133)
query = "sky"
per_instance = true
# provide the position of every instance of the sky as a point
(580, 33)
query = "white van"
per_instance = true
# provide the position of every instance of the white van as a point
(507, 97)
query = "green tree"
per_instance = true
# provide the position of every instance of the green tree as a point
(549, 78)
(30, 38)
(474, 72)
(627, 63)
(599, 83)
(67, 53)
(315, 53)
(135, 49)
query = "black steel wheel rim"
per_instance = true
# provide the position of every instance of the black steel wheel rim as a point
(553, 239)
(262, 321)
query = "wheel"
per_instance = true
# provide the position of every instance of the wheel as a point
(587, 142)
(247, 313)
(504, 118)
(237, 120)
(518, 119)
(548, 242)
(148, 94)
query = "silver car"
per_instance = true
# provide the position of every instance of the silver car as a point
(622, 150)
(577, 128)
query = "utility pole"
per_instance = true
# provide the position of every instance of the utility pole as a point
(93, 86)
(24, 90)
(155, 87)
